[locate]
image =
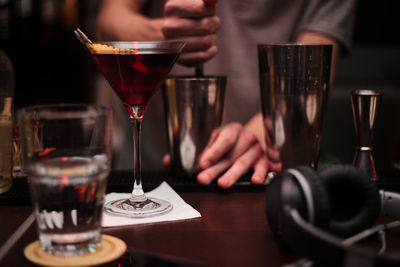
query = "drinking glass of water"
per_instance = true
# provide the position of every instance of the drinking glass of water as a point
(66, 155)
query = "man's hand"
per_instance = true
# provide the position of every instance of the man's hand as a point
(233, 150)
(194, 22)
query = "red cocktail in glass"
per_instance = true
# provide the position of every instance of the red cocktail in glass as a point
(136, 70)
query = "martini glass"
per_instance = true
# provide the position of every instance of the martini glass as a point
(135, 70)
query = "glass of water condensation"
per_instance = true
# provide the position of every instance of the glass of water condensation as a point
(66, 155)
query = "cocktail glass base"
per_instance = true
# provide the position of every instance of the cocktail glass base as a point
(139, 209)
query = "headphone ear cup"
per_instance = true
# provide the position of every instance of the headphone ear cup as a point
(286, 190)
(320, 197)
(281, 191)
(354, 200)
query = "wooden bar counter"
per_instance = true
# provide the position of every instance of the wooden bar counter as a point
(233, 230)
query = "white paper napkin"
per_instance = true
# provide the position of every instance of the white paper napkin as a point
(181, 210)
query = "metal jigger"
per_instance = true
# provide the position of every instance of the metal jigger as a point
(365, 106)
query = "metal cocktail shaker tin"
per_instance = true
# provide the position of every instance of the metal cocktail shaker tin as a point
(193, 110)
(294, 84)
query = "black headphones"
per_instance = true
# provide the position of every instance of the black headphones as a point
(310, 211)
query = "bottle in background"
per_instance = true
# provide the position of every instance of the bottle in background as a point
(6, 122)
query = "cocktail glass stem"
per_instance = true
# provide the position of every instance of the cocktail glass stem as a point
(137, 192)
(138, 205)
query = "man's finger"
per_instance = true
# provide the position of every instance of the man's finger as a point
(189, 9)
(260, 171)
(240, 166)
(166, 160)
(208, 175)
(224, 143)
(210, 2)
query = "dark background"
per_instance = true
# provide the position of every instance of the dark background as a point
(374, 63)
(51, 66)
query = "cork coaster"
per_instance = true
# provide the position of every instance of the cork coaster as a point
(111, 248)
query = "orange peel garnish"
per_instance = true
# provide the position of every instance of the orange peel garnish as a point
(107, 49)
(46, 151)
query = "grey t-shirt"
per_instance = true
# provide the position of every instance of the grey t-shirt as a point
(244, 24)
